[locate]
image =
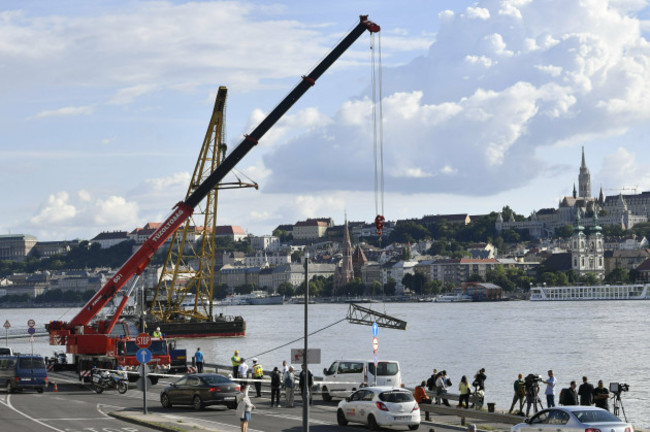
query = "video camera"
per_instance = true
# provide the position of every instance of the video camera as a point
(617, 388)
(532, 378)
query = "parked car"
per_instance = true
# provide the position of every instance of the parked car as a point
(345, 376)
(573, 418)
(380, 407)
(23, 371)
(201, 390)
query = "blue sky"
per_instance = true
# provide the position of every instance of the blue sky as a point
(104, 105)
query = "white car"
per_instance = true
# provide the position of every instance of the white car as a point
(378, 407)
(573, 419)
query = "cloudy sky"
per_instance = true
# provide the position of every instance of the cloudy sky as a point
(104, 105)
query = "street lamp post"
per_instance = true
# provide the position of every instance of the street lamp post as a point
(305, 387)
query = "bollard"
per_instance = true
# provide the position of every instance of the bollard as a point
(491, 406)
(56, 387)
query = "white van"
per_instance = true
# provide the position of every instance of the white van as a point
(345, 376)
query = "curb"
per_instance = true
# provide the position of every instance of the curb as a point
(152, 424)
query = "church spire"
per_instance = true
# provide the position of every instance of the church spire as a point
(584, 179)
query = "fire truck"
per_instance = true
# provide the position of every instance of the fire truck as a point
(110, 343)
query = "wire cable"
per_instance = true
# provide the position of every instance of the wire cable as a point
(300, 338)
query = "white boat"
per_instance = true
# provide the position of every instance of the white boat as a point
(453, 298)
(254, 298)
(592, 292)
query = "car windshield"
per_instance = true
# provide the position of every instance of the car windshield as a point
(215, 379)
(384, 368)
(31, 363)
(395, 396)
(157, 347)
(595, 416)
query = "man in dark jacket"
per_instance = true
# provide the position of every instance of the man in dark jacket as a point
(586, 392)
(569, 396)
(302, 379)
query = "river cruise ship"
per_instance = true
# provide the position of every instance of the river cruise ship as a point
(593, 292)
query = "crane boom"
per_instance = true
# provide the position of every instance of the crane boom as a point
(135, 265)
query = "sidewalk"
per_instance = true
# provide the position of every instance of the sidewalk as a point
(178, 423)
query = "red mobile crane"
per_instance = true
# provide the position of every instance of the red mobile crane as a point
(105, 343)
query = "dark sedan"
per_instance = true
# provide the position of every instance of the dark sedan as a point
(201, 390)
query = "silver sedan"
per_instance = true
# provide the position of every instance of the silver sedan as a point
(573, 419)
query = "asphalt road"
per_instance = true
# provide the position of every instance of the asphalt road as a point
(77, 408)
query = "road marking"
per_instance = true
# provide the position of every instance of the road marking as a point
(8, 404)
(76, 419)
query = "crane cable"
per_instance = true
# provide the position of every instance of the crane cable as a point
(377, 130)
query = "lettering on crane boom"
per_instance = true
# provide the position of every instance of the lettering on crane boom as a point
(169, 223)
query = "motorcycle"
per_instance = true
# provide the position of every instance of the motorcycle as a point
(103, 379)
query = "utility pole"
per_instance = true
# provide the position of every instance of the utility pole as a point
(305, 370)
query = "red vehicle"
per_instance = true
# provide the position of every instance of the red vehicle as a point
(106, 343)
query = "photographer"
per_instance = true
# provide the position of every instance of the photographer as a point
(531, 384)
(601, 396)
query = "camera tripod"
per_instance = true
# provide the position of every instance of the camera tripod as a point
(618, 404)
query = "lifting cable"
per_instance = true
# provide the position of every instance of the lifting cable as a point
(377, 130)
(300, 338)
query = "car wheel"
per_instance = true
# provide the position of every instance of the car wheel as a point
(40, 389)
(164, 401)
(326, 395)
(372, 423)
(340, 418)
(414, 427)
(154, 380)
(197, 403)
(232, 405)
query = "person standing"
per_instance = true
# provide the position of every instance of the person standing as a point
(306, 382)
(431, 382)
(550, 389)
(520, 392)
(244, 407)
(289, 384)
(532, 393)
(572, 394)
(479, 380)
(601, 396)
(198, 358)
(421, 397)
(242, 371)
(586, 392)
(157, 333)
(236, 361)
(258, 374)
(465, 390)
(441, 388)
(276, 382)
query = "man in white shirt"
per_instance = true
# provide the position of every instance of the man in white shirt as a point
(550, 389)
(242, 371)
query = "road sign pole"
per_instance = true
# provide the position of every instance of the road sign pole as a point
(144, 388)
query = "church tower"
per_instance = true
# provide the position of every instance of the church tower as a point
(344, 272)
(584, 179)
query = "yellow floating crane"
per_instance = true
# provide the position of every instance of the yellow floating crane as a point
(185, 286)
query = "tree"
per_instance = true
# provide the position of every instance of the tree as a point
(220, 291)
(286, 289)
(618, 275)
(408, 232)
(564, 231)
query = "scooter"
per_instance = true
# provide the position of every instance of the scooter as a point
(103, 379)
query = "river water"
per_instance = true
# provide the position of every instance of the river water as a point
(605, 340)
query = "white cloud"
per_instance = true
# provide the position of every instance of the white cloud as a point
(115, 211)
(550, 73)
(56, 210)
(66, 112)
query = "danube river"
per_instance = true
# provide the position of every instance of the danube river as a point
(605, 340)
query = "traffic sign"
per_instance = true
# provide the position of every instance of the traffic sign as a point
(7, 325)
(313, 356)
(375, 344)
(375, 330)
(143, 340)
(31, 330)
(143, 355)
(31, 323)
